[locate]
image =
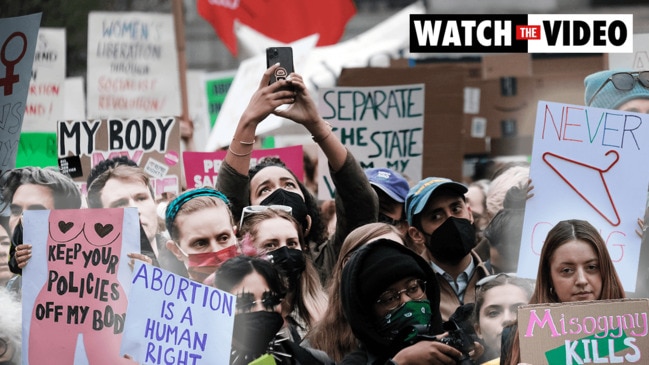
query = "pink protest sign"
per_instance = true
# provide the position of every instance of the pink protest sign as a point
(76, 283)
(202, 168)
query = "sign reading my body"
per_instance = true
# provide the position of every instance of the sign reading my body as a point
(145, 134)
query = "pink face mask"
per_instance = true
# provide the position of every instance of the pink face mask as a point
(202, 265)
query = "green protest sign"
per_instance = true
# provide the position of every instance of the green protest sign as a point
(37, 149)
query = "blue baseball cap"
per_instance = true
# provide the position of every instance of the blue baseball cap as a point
(419, 195)
(389, 181)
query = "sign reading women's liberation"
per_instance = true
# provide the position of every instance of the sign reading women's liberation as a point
(588, 163)
(76, 284)
(174, 320)
(381, 126)
(132, 65)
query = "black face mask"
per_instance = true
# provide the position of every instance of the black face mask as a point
(293, 200)
(254, 331)
(452, 241)
(290, 261)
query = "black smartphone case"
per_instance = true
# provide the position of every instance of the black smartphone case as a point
(283, 55)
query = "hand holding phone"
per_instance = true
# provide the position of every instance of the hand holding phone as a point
(283, 55)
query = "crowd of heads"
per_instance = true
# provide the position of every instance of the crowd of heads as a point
(434, 252)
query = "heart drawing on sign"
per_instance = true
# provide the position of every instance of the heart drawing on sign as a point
(103, 230)
(65, 226)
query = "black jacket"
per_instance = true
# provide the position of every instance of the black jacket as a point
(377, 349)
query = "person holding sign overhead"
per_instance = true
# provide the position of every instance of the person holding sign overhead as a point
(574, 266)
(272, 183)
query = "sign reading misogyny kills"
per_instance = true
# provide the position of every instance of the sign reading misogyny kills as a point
(17, 45)
(153, 143)
(76, 284)
(132, 65)
(593, 332)
(381, 126)
(175, 320)
(587, 163)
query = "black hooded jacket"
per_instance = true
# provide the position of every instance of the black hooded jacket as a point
(360, 314)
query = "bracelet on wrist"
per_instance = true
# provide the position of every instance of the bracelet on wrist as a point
(239, 154)
(245, 143)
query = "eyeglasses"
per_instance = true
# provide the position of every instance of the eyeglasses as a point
(624, 81)
(254, 209)
(391, 299)
(246, 302)
(490, 278)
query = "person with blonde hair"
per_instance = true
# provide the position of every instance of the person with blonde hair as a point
(273, 233)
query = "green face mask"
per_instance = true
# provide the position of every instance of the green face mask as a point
(411, 313)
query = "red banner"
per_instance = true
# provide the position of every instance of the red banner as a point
(282, 20)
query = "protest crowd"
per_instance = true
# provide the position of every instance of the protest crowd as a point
(389, 271)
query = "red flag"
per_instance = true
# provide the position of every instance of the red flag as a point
(283, 20)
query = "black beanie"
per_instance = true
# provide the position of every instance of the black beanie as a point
(383, 267)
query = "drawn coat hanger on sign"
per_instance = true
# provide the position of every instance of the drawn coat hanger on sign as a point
(551, 159)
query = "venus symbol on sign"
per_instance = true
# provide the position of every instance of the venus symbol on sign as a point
(11, 78)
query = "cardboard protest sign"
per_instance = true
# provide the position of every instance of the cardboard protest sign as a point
(586, 165)
(172, 319)
(17, 44)
(202, 168)
(153, 143)
(612, 331)
(76, 284)
(46, 100)
(638, 60)
(381, 126)
(642, 281)
(132, 65)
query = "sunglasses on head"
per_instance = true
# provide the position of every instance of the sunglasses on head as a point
(624, 81)
(490, 278)
(254, 209)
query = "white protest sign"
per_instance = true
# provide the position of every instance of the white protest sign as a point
(132, 65)
(46, 99)
(382, 126)
(172, 319)
(587, 163)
